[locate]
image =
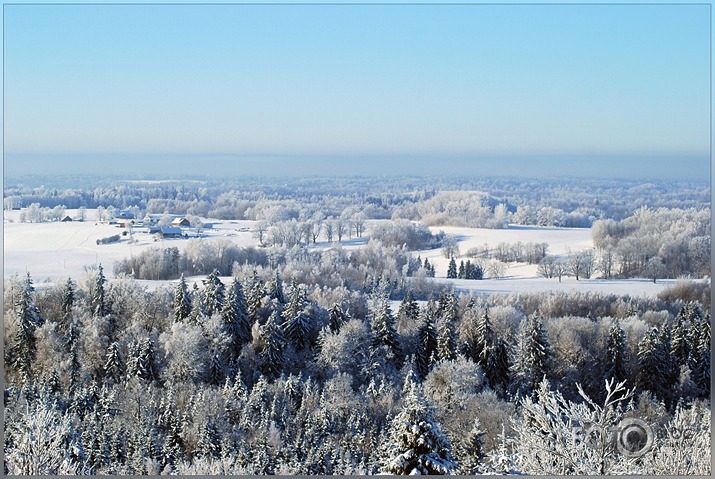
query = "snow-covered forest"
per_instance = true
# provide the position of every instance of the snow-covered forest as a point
(296, 355)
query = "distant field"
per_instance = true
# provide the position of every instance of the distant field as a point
(55, 251)
(51, 251)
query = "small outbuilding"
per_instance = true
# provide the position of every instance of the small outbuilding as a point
(180, 222)
(66, 219)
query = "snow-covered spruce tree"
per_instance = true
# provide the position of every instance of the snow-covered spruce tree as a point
(409, 311)
(182, 300)
(383, 328)
(615, 360)
(99, 306)
(484, 338)
(554, 436)
(275, 289)
(197, 309)
(296, 322)
(29, 319)
(113, 366)
(491, 353)
(452, 269)
(473, 271)
(417, 444)
(670, 368)
(496, 367)
(142, 361)
(700, 357)
(530, 357)
(427, 344)
(209, 441)
(275, 342)
(470, 451)
(212, 295)
(68, 297)
(680, 345)
(254, 298)
(337, 317)
(446, 328)
(235, 318)
(654, 369)
(235, 394)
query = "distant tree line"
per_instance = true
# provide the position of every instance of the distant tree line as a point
(484, 202)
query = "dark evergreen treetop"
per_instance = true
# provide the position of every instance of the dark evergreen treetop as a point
(417, 444)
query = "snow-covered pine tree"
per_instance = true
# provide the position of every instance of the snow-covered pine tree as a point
(427, 344)
(182, 300)
(417, 444)
(235, 318)
(212, 295)
(99, 306)
(275, 341)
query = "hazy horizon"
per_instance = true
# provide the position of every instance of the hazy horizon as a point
(156, 166)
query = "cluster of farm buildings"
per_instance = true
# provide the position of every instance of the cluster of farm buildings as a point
(154, 223)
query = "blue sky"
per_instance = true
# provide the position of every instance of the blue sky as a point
(236, 85)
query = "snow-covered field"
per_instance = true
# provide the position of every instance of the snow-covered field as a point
(52, 251)
(55, 251)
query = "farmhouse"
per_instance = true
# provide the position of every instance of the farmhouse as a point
(170, 232)
(154, 218)
(66, 219)
(124, 215)
(181, 222)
